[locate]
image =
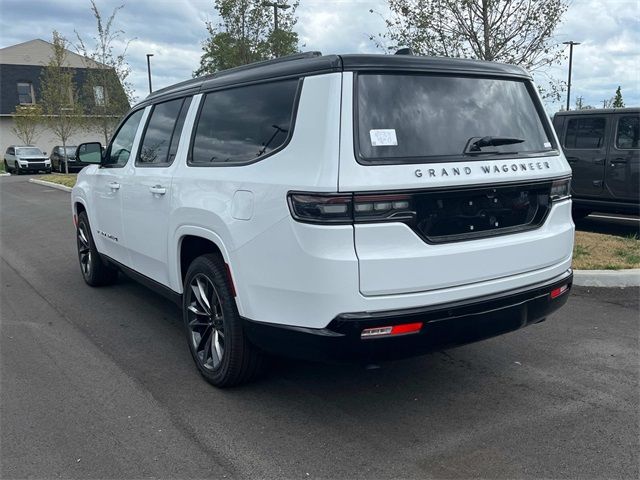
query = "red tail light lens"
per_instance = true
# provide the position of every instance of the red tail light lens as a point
(555, 293)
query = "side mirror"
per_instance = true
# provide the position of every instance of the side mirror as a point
(44, 153)
(89, 152)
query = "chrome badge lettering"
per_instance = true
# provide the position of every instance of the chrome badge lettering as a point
(107, 235)
(486, 169)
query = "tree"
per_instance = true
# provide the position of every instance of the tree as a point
(518, 32)
(617, 99)
(106, 93)
(27, 120)
(580, 105)
(247, 34)
(60, 104)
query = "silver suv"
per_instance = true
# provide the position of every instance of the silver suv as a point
(25, 158)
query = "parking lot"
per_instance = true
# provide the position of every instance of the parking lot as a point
(99, 383)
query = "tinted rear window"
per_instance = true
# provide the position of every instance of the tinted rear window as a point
(243, 124)
(412, 118)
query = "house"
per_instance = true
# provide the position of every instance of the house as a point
(21, 68)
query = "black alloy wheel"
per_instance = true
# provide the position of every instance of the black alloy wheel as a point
(213, 326)
(94, 270)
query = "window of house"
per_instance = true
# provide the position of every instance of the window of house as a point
(25, 93)
(162, 135)
(243, 124)
(99, 95)
(628, 132)
(585, 133)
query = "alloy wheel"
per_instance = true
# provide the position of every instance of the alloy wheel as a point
(205, 322)
(84, 250)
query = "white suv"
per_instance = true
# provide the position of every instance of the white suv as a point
(25, 158)
(334, 207)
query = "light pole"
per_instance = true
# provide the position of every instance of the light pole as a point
(571, 44)
(149, 55)
(276, 6)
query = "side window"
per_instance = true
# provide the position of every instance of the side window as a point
(120, 149)
(25, 93)
(628, 132)
(160, 140)
(243, 124)
(585, 133)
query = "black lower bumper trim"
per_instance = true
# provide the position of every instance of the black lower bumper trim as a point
(444, 326)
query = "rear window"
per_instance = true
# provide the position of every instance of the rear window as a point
(417, 118)
(244, 124)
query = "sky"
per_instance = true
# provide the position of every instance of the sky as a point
(609, 32)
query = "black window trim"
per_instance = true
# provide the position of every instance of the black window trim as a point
(294, 113)
(137, 163)
(584, 117)
(107, 152)
(615, 137)
(382, 161)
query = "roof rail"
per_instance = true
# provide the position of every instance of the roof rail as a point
(273, 61)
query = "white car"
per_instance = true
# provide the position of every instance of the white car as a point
(334, 207)
(25, 158)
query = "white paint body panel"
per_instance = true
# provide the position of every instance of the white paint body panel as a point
(291, 273)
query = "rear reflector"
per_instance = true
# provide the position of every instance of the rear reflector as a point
(392, 330)
(558, 291)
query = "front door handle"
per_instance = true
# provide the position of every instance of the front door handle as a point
(114, 186)
(618, 161)
(158, 190)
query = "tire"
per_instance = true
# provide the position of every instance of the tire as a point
(16, 169)
(61, 167)
(6, 167)
(48, 170)
(218, 345)
(94, 271)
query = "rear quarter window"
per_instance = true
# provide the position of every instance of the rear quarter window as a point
(244, 124)
(585, 133)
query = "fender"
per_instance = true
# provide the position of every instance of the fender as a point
(174, 260)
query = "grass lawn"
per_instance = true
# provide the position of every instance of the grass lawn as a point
(60, 178)
(595, 251)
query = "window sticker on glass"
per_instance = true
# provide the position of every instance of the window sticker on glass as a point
(547, 145)
(383, 137)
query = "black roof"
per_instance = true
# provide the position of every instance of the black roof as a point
(599, 111)
(314, 63)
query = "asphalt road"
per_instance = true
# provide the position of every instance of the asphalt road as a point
(98, 383)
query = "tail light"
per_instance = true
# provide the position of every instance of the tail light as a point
(560, 190)
(346, 209)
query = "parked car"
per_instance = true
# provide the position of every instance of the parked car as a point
(334, 207)
(58, 156)
(25, 158)
(603, 150)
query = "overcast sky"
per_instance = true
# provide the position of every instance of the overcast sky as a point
(174, 30)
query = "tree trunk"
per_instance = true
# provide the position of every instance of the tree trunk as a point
(488, 53)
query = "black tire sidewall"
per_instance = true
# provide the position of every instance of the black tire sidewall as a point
(227, 373)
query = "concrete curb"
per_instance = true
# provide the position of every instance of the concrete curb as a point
(5, 174)
(607, 278)
(64, 188)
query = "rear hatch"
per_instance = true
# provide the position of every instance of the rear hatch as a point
(454, 177)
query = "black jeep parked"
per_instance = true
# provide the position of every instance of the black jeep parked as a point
(602, 147)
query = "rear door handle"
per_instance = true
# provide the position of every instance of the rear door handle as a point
(158, 190)
(114, 186)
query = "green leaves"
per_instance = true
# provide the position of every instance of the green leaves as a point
(247, 34)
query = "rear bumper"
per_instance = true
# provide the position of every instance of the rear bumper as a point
(443, 326)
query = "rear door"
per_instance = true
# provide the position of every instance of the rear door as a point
(432, 208)
(623, 160)
(147, 190)
(585, 146)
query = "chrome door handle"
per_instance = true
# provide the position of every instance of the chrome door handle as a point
(158, 190)
(618, 161)
(114, 186)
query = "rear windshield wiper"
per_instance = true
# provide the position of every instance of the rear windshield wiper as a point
(475, 144)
